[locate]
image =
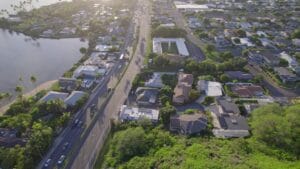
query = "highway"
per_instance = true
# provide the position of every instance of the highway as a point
(89, 150)
(67, 141)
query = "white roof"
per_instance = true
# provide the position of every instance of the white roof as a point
(52, 95)
(180, 43)
(211, 88)
(246, 41)
(184, 5)
(134, 113)
(74, 97)
(103, 48)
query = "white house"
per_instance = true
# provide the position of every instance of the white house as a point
(135, 113)
(210, 88)
(293, 64)
(88, 70)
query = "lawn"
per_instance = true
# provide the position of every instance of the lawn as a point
(169, 48)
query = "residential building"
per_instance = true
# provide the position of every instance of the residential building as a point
(210, 88)
(188, 124)
(247, 90)
(135, 113)
(146, 96)
(293, 63)
(239, 75)
(8, 138)
(74, 97)
(156, 81)
(230, 126)
(168, 42)
(68, 84)
(221, 42)
(88, 71)
(183, 88)
(270, 58)
(226, 106)
(285, 75)
(52, 95)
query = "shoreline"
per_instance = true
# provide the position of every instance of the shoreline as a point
(44, 86)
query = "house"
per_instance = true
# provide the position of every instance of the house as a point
(104, 48)
(188, 124)
(194, 23)
(170, 45)
(135, 113)
(293, 63)
(296, 42)
(221, 42)
(226, 106)
(210, 88)
(285, 75)
(156, 81)
(74, 97)
(270, 58)
(230, 126)
(8, 138)
(52, 95)
(239, 75)
(146, 96)
(255, 57)
(190, 7)
(68, 84)
(88, 71)
(247, 90)
(183, 88)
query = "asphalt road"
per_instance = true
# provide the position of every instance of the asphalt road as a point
(89, 150)
(275, 90)
(72, 133)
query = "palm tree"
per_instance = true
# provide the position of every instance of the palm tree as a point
(33, 79)
(19, 90)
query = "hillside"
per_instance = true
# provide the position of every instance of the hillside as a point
(141, 146)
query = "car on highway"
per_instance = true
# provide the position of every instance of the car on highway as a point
(61, 159)
(47, 163)
(66, 145)
(75, 123)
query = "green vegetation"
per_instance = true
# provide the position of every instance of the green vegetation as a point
(35, 121)
(157, 148)
(296, 34)
(172, 48)
(164, 32)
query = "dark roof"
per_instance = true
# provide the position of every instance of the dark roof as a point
(239, 75)
(228, 107)
(233, 122)
(146, 94)
(188, 124)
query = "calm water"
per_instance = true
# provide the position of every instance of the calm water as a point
(47, 59)
(6, 4)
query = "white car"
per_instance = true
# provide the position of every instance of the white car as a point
(47, 163)
(61, 159)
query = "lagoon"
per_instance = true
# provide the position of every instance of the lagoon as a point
(46, 59)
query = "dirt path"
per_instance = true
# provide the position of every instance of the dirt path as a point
(43, 86)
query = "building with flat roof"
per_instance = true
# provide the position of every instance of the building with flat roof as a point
(52, 95)
(74, 97)
(180, 45)
(135, 113)
(210, 88)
